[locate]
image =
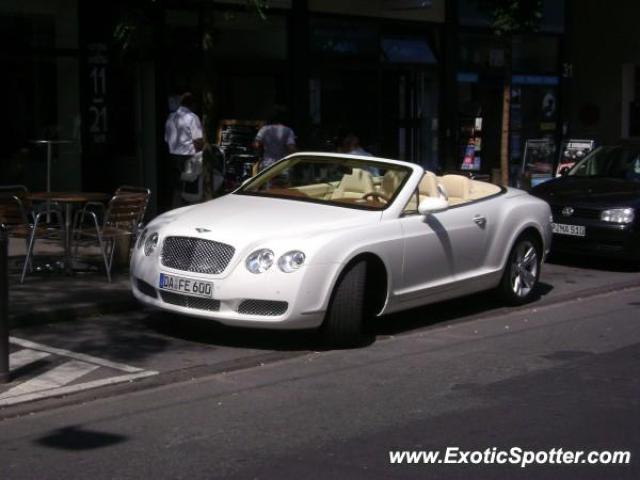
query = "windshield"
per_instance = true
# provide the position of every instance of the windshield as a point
(345, 182)
(614, 162)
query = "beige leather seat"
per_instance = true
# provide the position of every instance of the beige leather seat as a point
(354, 185)
(428, 186)
(458, 188)
(390, 183)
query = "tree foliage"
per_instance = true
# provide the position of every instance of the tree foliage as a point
(133, 31)
(511, 17)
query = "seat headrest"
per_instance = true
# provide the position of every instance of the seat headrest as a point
(428, 185)
(457, 186)
(390, 182)
(359, 181)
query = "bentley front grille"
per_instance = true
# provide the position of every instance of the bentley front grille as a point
(196, 255)
(190, 302)
(267, 308)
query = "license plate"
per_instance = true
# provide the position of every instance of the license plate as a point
(574, 230)
(188, 286)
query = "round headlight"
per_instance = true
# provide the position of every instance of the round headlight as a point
(291, 261)
(141, 238)
(151, 243)
(260, 261)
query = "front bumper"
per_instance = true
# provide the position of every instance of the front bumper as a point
(601, 239)
(272, 299)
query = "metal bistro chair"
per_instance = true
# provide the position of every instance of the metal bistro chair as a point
(122, 219)
(26, 223)
(124, 189)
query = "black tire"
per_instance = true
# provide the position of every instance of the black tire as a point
(344, 321)
(522, 271)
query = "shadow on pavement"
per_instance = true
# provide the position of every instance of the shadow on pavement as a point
(451, 310)
(75, 438)
(211, 333)
(593, 263)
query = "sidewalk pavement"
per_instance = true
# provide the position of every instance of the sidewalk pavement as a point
(47, 295)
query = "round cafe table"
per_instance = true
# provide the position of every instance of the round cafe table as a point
(69, 200)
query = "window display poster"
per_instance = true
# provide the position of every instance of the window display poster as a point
(572, 151)
(471, 161)
(471, 143)
(538, 160)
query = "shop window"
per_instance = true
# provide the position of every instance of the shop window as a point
(40, 86)
(535, 53)
(246, 36)
(407, 50)
(479, 52)
(344, 38)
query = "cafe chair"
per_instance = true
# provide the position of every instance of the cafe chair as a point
(28, 224)
(121, 220)
(99, 207)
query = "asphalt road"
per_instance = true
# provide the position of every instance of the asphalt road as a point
(564, 374)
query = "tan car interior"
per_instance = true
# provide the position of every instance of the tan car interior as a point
(354, 185)
(456, 189)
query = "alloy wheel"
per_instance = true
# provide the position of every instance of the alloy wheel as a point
(524, 269)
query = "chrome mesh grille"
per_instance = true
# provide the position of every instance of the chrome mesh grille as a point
(196, 255)
(267, 308)
(190, 302)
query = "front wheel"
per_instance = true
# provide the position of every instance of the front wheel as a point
(343, 324)
(521, 272)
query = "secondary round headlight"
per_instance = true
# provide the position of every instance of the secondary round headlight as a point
(618, 215)
(141, 238)
(151, 243)
(260, 261)
(291, 261)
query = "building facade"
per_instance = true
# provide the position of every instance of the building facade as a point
(409, 77)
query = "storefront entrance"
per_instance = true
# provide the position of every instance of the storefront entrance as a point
(409, 116)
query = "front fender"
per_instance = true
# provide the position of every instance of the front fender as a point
(383, 240)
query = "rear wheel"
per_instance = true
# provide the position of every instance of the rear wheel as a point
(343, 324)
(522, 271)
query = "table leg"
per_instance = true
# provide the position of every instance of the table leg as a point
(68, 261)
(49, 156)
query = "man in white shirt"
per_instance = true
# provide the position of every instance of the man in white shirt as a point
(275, 140)
(183, 134)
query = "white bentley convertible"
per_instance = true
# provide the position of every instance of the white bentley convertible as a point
(329, 241)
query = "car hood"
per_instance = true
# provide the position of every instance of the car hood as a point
(589, 191)
(244, 220)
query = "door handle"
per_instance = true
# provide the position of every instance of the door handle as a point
(480, 221)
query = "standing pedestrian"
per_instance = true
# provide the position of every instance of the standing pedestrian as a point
(275, 140)
(350, 144)
(183, 134)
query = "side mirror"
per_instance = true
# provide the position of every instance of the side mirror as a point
(432, 205)
(564, 171)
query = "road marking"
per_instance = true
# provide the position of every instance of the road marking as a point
(77, 356)
(51, 379)
(56, 392)
(24, 357)
(55, 382)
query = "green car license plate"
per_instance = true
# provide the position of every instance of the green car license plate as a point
(573, 230)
